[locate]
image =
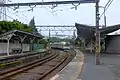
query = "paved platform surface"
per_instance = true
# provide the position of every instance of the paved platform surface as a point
(87, 70)
(99, 72)
(12, 55)
(72, 70)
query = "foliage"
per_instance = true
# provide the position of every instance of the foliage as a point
(102, 43)
(6, 26)
(78, 42)
(43, 41)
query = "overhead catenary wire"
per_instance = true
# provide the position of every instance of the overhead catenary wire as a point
(55, 15)
(52, 12)
(18, 15)
(7, 15)
(36, 7)
(109, 4)
(29, 6)
(106, 7)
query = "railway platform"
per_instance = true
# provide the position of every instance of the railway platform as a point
(83, 67)
(109, 69)
(72, 70)
(20, 55)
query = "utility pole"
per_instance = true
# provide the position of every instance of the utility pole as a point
(97, 50)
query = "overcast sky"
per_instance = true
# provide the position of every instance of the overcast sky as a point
(64, 15)
(84, 14)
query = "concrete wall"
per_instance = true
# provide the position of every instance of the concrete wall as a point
(26, 47)
(113, 45)
(3, 47)
(12, 46)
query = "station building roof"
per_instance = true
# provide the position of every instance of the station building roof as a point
(86, 31)
(20, 35)
(109, 29)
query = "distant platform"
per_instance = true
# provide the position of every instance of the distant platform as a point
(20, 54)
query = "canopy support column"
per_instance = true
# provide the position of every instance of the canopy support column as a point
(91, 45)
(8, 43)
(22, 40)
(8, 46)
(31, 42)
(84, 45)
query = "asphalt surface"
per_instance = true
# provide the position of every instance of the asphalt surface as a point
(87, 70)
(108, 70)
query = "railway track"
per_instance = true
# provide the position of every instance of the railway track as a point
(12, 61)
(40, 69)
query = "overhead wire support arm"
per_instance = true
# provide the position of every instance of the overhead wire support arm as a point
(44, 3)
(75, 6)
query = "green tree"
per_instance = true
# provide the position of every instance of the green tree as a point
(43, 41)
(6, 26)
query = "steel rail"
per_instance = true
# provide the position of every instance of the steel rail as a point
(62, 62)
(52, 69)
(9, 73)
(69, 56)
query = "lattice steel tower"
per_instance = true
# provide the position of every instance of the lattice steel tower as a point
(3, 11)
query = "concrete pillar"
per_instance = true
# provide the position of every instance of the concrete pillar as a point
(31, 41)
(8, 43)
(22, 39)
(8, 47)
(91, 45)
(84, 45)
(22, 47)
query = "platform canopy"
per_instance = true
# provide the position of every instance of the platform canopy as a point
(24, 37)
(86, 31)
(109, 29)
